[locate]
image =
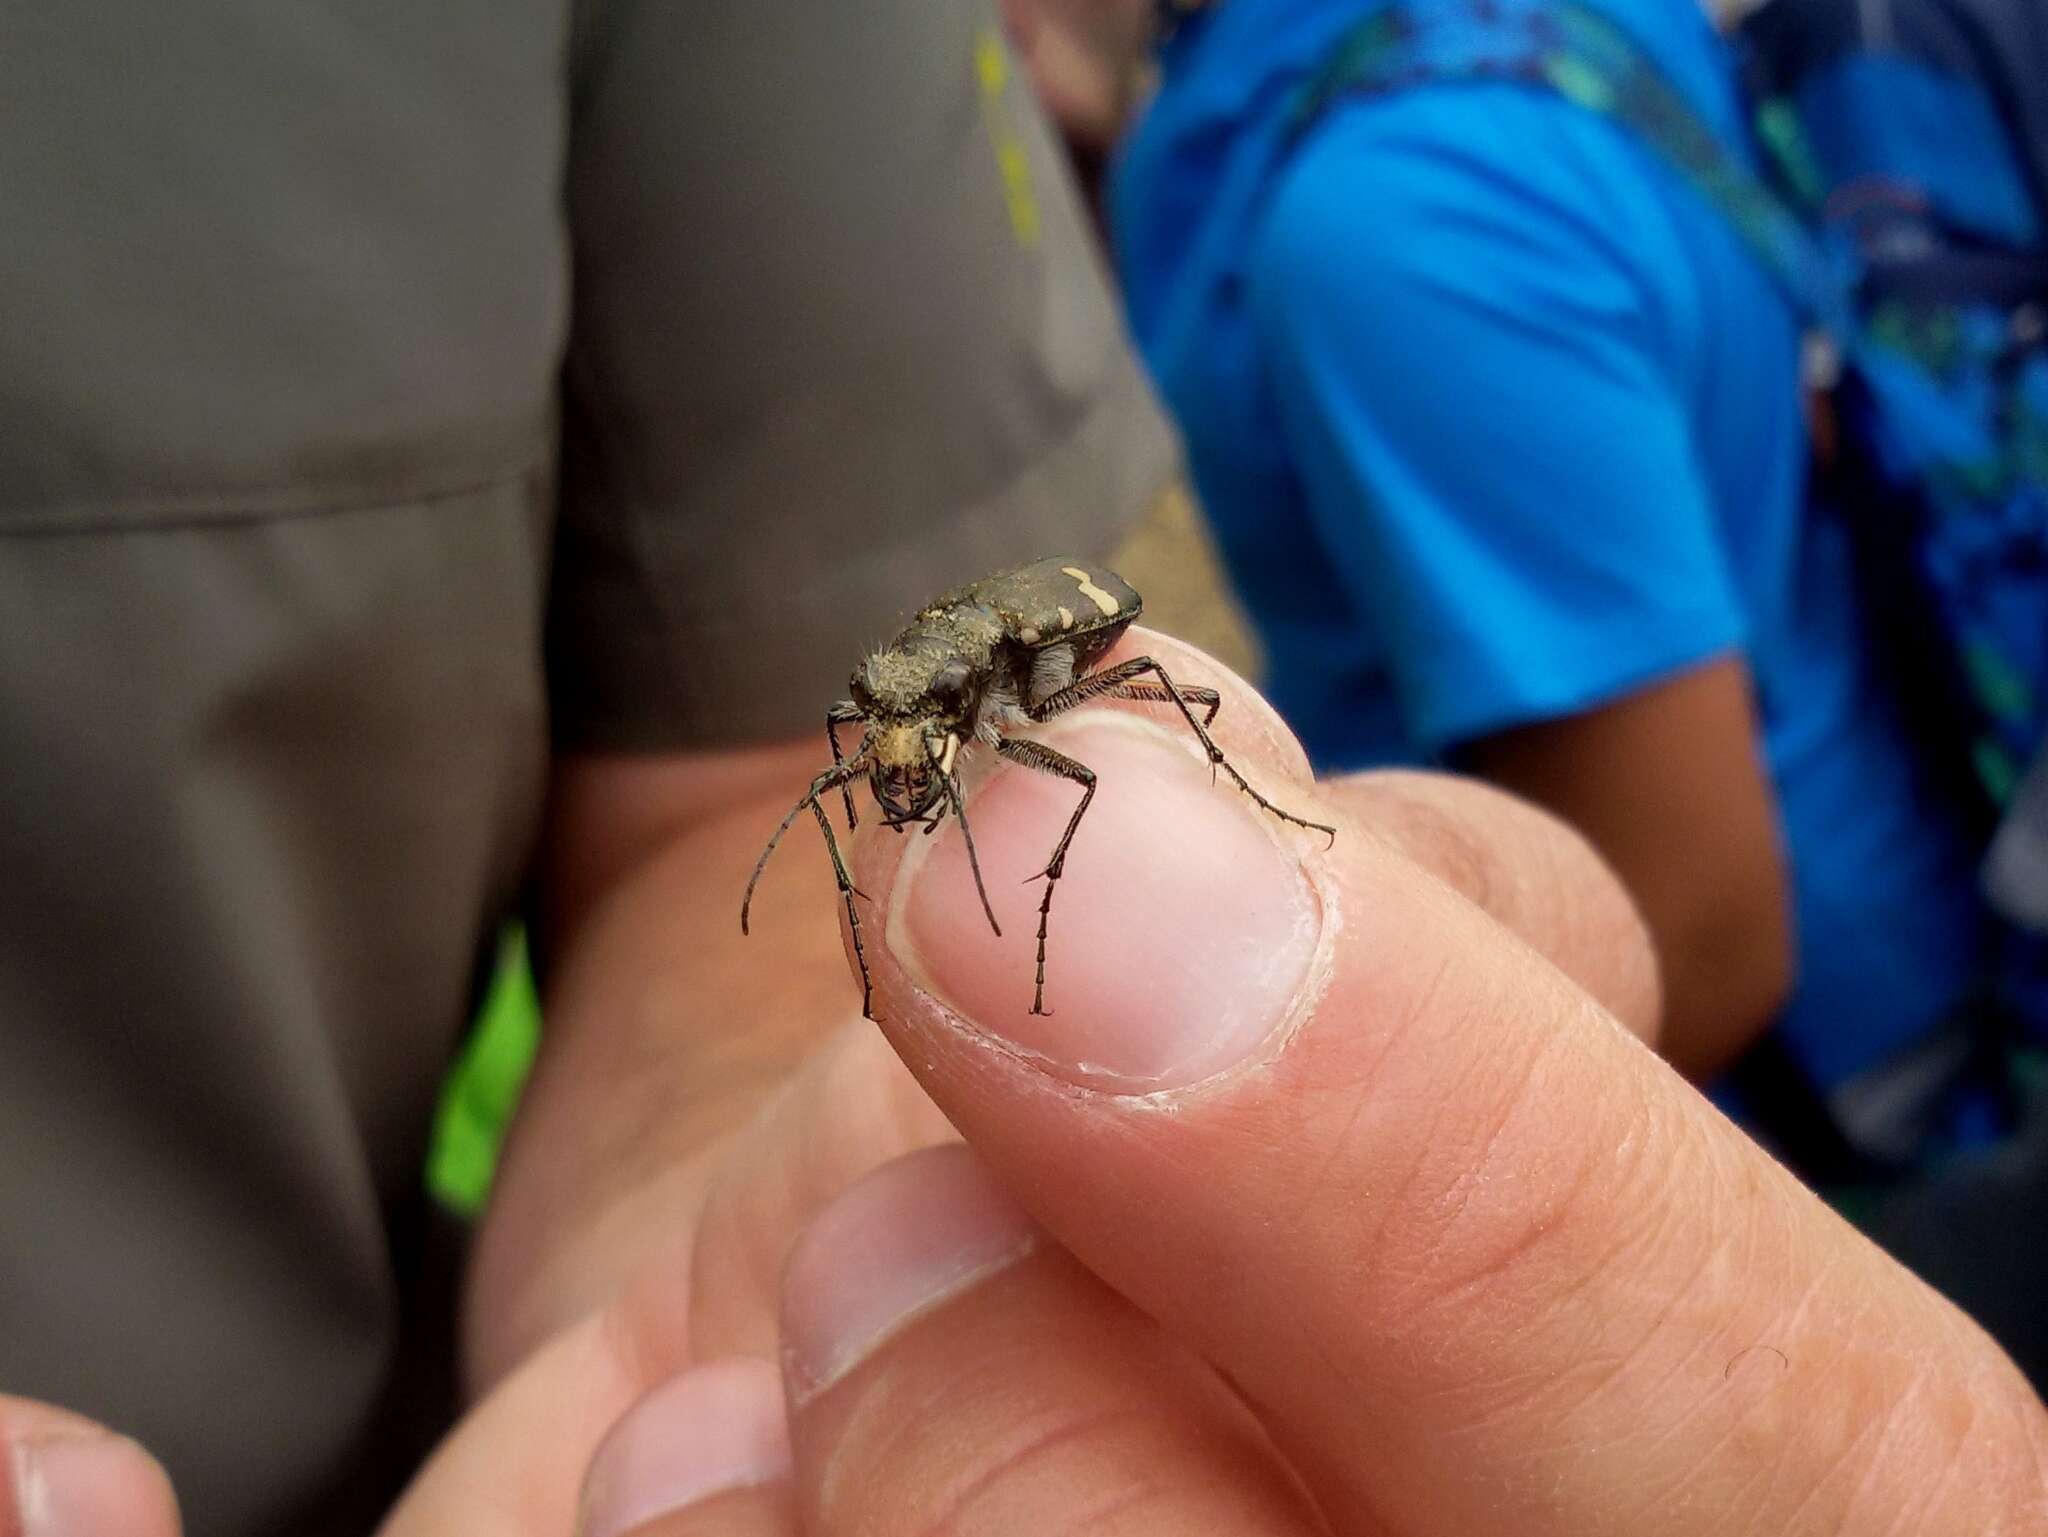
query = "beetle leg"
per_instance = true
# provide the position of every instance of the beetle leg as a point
(1038, 756)
(847, 892)
(846, 713)
(1108, 682)
(1208, 698)
(836, 777)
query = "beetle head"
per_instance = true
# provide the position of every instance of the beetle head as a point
(919, 705)
(908, 767)
(899, 686)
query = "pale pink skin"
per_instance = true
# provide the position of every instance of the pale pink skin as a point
(65, 1477)
(1081, 55)
(1203, 937)
(1219, 907)
(904, 1240)
(717, 1428)
(1445, 1237)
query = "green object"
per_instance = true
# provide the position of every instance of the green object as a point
(1573, 80)
(1777, 123)
(1996, 770)
(483, 1088)
(2002, 686)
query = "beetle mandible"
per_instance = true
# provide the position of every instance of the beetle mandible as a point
(1008, 651)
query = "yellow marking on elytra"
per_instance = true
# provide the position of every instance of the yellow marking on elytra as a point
(1090, 591)
(1066, 618)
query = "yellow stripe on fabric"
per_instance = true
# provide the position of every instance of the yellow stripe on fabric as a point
(1013, 160)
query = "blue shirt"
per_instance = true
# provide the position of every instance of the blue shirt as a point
(1498, 421)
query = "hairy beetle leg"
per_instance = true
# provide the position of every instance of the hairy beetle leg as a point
(1036, 755)
(843, 714)
(1114, 682)
(1153, 693)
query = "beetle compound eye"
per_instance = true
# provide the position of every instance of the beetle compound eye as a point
(949, 688)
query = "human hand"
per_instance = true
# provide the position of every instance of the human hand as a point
(62, 1475)
(668, 1032)
(1408, 1235)
(707, 1285)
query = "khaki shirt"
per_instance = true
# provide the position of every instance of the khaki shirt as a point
(392, 394)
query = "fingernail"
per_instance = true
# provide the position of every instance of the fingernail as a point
(1179, 936)
(89, 1485)
(716, 1428)
(910, 1236)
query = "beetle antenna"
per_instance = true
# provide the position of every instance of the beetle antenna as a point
(839, 774)
(973, 863)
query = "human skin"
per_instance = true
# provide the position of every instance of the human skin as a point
(666, 1028)
(61, 1475)
(1085, 58)
(1669, 784)
(1433, 1243)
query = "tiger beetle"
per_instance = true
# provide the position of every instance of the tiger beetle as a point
(1007, 651)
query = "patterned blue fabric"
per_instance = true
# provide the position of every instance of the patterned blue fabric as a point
(1903, 136)
(1499, 420)
(1894, 124)
(1920, 225)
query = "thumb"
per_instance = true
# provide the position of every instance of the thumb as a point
(1185, 908)
(1476, 1257)
(62, 1475)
